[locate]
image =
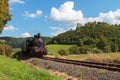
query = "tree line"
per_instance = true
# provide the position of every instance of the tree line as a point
(17, 42)
(94, 35)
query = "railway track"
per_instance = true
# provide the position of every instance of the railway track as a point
(107, 66)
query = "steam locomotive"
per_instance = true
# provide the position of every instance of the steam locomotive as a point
(34, 46)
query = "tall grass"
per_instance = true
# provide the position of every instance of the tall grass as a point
(103, 57)
(11, 69)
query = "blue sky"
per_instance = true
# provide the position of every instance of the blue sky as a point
(51, 17)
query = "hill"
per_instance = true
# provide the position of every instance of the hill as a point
(96, 35)
(16, 42)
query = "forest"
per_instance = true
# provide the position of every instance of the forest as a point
(100, 36)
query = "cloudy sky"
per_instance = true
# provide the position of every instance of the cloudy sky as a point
(51, 17)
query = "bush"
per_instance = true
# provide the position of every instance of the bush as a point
(114, 48)
(96, 50)
(85, 49)
(107, 49)
(2, 49)
(62, 52)
(74, 50)
(2, 41)
(5, 50)
(8, 50)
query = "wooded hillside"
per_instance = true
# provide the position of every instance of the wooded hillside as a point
(98, 35)
(17, 42)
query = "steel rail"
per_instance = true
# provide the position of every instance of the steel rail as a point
(107, 66)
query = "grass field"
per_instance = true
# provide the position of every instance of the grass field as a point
(102, 57)
(54, 48)
(11, 69)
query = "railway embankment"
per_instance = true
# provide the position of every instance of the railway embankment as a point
(79, 72)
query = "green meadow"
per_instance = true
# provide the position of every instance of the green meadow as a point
(11, 69)
(101, 57)
(54, 48)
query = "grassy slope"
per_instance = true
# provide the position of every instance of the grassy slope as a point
(11, 69)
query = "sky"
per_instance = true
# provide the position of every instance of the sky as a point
(52, 17)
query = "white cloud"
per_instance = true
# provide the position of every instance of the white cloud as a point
(57, 30)
(16, 1)
(32, 15)
(66, 15)
(26, 34)
(9, 28)
(112, 17)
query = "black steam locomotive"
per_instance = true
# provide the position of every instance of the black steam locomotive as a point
(34, 46)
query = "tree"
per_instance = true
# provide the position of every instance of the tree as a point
(80, 42)
(4, 13)
(4, 17)
(102, 43)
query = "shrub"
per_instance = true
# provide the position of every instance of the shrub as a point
(62, 52)
(74, 50)
(2, 41)
(85, 49)
(2, 49)
(114, 48)
(5, 50)
(107, 49)
(96, 50)
(8, 50)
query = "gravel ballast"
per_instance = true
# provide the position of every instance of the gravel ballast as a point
(80, 72)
